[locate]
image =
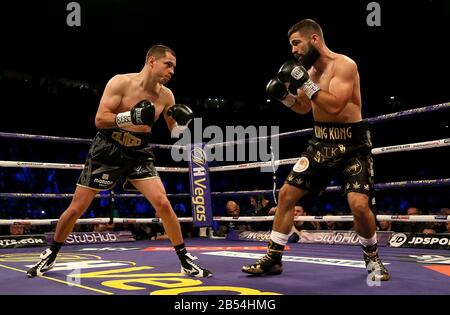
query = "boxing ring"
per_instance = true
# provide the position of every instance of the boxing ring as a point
(151, 267)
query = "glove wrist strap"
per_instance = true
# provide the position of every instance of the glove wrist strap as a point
(310, 88)
(124, 119)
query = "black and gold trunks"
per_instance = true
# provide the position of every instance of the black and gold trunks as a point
(115, 154)
(336, 151)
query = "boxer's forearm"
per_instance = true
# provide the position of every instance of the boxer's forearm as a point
(105, 120)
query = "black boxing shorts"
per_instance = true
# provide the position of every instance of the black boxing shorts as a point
(114, 154)
(336, 151)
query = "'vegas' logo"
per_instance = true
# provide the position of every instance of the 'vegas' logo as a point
(198, 157)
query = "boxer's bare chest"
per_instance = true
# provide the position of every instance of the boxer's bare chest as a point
(323, 78)
(135, 93)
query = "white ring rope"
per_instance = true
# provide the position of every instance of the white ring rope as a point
(9, 135)
(380, 186)
(76, 166)
(326, 218)
(375, 151)
(412, 146)
(372, 120)
(344, 218)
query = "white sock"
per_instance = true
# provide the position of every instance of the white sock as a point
(279, 238)
(368, 241)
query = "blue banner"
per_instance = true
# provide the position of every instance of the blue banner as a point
(200, 188)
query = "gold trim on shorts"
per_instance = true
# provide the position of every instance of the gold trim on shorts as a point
(96, 189)
(151, 177)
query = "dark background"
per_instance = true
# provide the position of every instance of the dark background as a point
(226, 49)
(52, 75)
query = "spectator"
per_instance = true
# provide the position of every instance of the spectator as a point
(441, 227)
(429, 229)
(142, 231)
(413, 227)
(329, 225)
(384, 225)
(263, 209)
(299, 226)
(335, 225)
(342, 225)
(157, 232)
(255, 204)
(302, 225)
(16, 229)
(233, 210)
(104, 227)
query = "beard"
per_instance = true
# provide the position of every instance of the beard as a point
(308, 59)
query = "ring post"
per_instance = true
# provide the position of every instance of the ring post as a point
(200, 186)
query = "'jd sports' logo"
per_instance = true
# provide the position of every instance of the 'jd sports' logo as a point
(398, 240)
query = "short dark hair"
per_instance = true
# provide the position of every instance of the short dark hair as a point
(158, 51)
(306, 27)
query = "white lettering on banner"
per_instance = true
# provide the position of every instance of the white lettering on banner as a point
(431, 259)
(199, 171)
(109, 249)
(301, 259)
(91, 238)
(6, 242)
(429, 240)
(199, 189)
(103, 182)
(85, 264)
(398, 239)
(258, 235)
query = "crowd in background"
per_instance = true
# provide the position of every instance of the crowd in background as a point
(60, 94)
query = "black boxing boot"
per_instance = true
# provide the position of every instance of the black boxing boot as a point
(374, 266)
(269, 264)
(188, 267)
(46, 261)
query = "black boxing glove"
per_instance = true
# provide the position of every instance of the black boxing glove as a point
(183, 115)
(143, 113)
(278, 90)
(297, 75)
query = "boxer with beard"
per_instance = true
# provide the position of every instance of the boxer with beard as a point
(326, 83)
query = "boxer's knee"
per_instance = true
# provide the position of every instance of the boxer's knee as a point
(162, 204)
(288, 196)
(359, 206)
(74, 212)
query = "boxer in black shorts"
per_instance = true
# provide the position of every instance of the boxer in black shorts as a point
(130, 104)
(328, 84)
(336, 151)
(115, 154)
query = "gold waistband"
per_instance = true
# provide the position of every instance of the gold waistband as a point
(333, 133)
(340, 132)
(126, 138)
